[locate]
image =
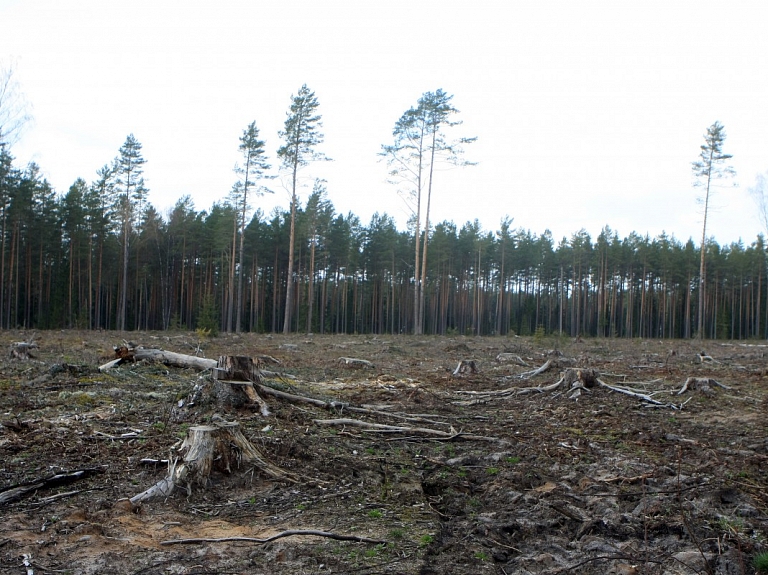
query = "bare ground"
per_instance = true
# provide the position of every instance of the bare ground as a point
(537, 482)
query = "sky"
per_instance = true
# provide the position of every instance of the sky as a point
(587, 113)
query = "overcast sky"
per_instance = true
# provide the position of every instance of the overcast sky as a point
(587, 113)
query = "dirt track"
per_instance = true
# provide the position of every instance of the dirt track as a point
(602, 483)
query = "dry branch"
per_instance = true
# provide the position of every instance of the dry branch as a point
(381, 428)
(287, 533)
(18, 491)
(538, 371)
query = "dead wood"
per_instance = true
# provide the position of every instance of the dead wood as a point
(538, 371)
(576, 380)
(381, 428)
(220, 446)
(466, 366)
(702, 357)
(16, 492)
(702, 384)
(355, 363)
(505, 357)
(125, 354)
(234, 377)
(22, 350)
(288, 533)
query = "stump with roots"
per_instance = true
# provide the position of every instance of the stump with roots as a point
(233, 380)
(218, 447)
(579, 379)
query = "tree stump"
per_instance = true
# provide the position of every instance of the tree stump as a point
(22, 350)
(233, 380)
(220, 447)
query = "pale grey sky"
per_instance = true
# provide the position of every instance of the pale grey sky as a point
(587, 113)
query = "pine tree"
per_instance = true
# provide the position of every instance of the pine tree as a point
(707, 169)
(131, 196)
(301, 136)
(251, 170)
(419, 144)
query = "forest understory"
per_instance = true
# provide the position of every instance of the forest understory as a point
(394, 454)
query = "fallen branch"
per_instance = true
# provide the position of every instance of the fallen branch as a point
(288, 533)
(535, 372)
(381, 428)
(633, 393)
(16, 492)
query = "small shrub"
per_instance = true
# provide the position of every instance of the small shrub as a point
(425, 540)
(375, 514)
(761, 562)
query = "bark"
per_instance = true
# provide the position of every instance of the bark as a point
(219, 447)
(172, 359)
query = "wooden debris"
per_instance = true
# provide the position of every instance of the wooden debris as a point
(287, 533)
(234, 377)
(702, 384)
(704, 358)
(466, 366)
(355, 363)
(23, 350)
(511, 358)
(538, 371)
(577, 380)
(381, 428)
(16, 492)
(124, 354)
(221, 446)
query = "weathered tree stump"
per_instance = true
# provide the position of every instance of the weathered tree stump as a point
(23, 350)
(704, 385)
(233, 380)
(221, 447)
(466, 366)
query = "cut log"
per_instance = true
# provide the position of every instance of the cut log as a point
(124, 353)
(221, 447)
(174, 359)
(23, 350)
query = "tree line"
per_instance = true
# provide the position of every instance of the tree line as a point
(100, 256)
(63, 264)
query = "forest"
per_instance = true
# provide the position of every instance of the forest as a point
(61, 257)
(101, 256)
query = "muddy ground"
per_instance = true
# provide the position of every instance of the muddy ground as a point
(517, 482)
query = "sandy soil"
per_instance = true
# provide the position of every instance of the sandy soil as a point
(516, 482)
